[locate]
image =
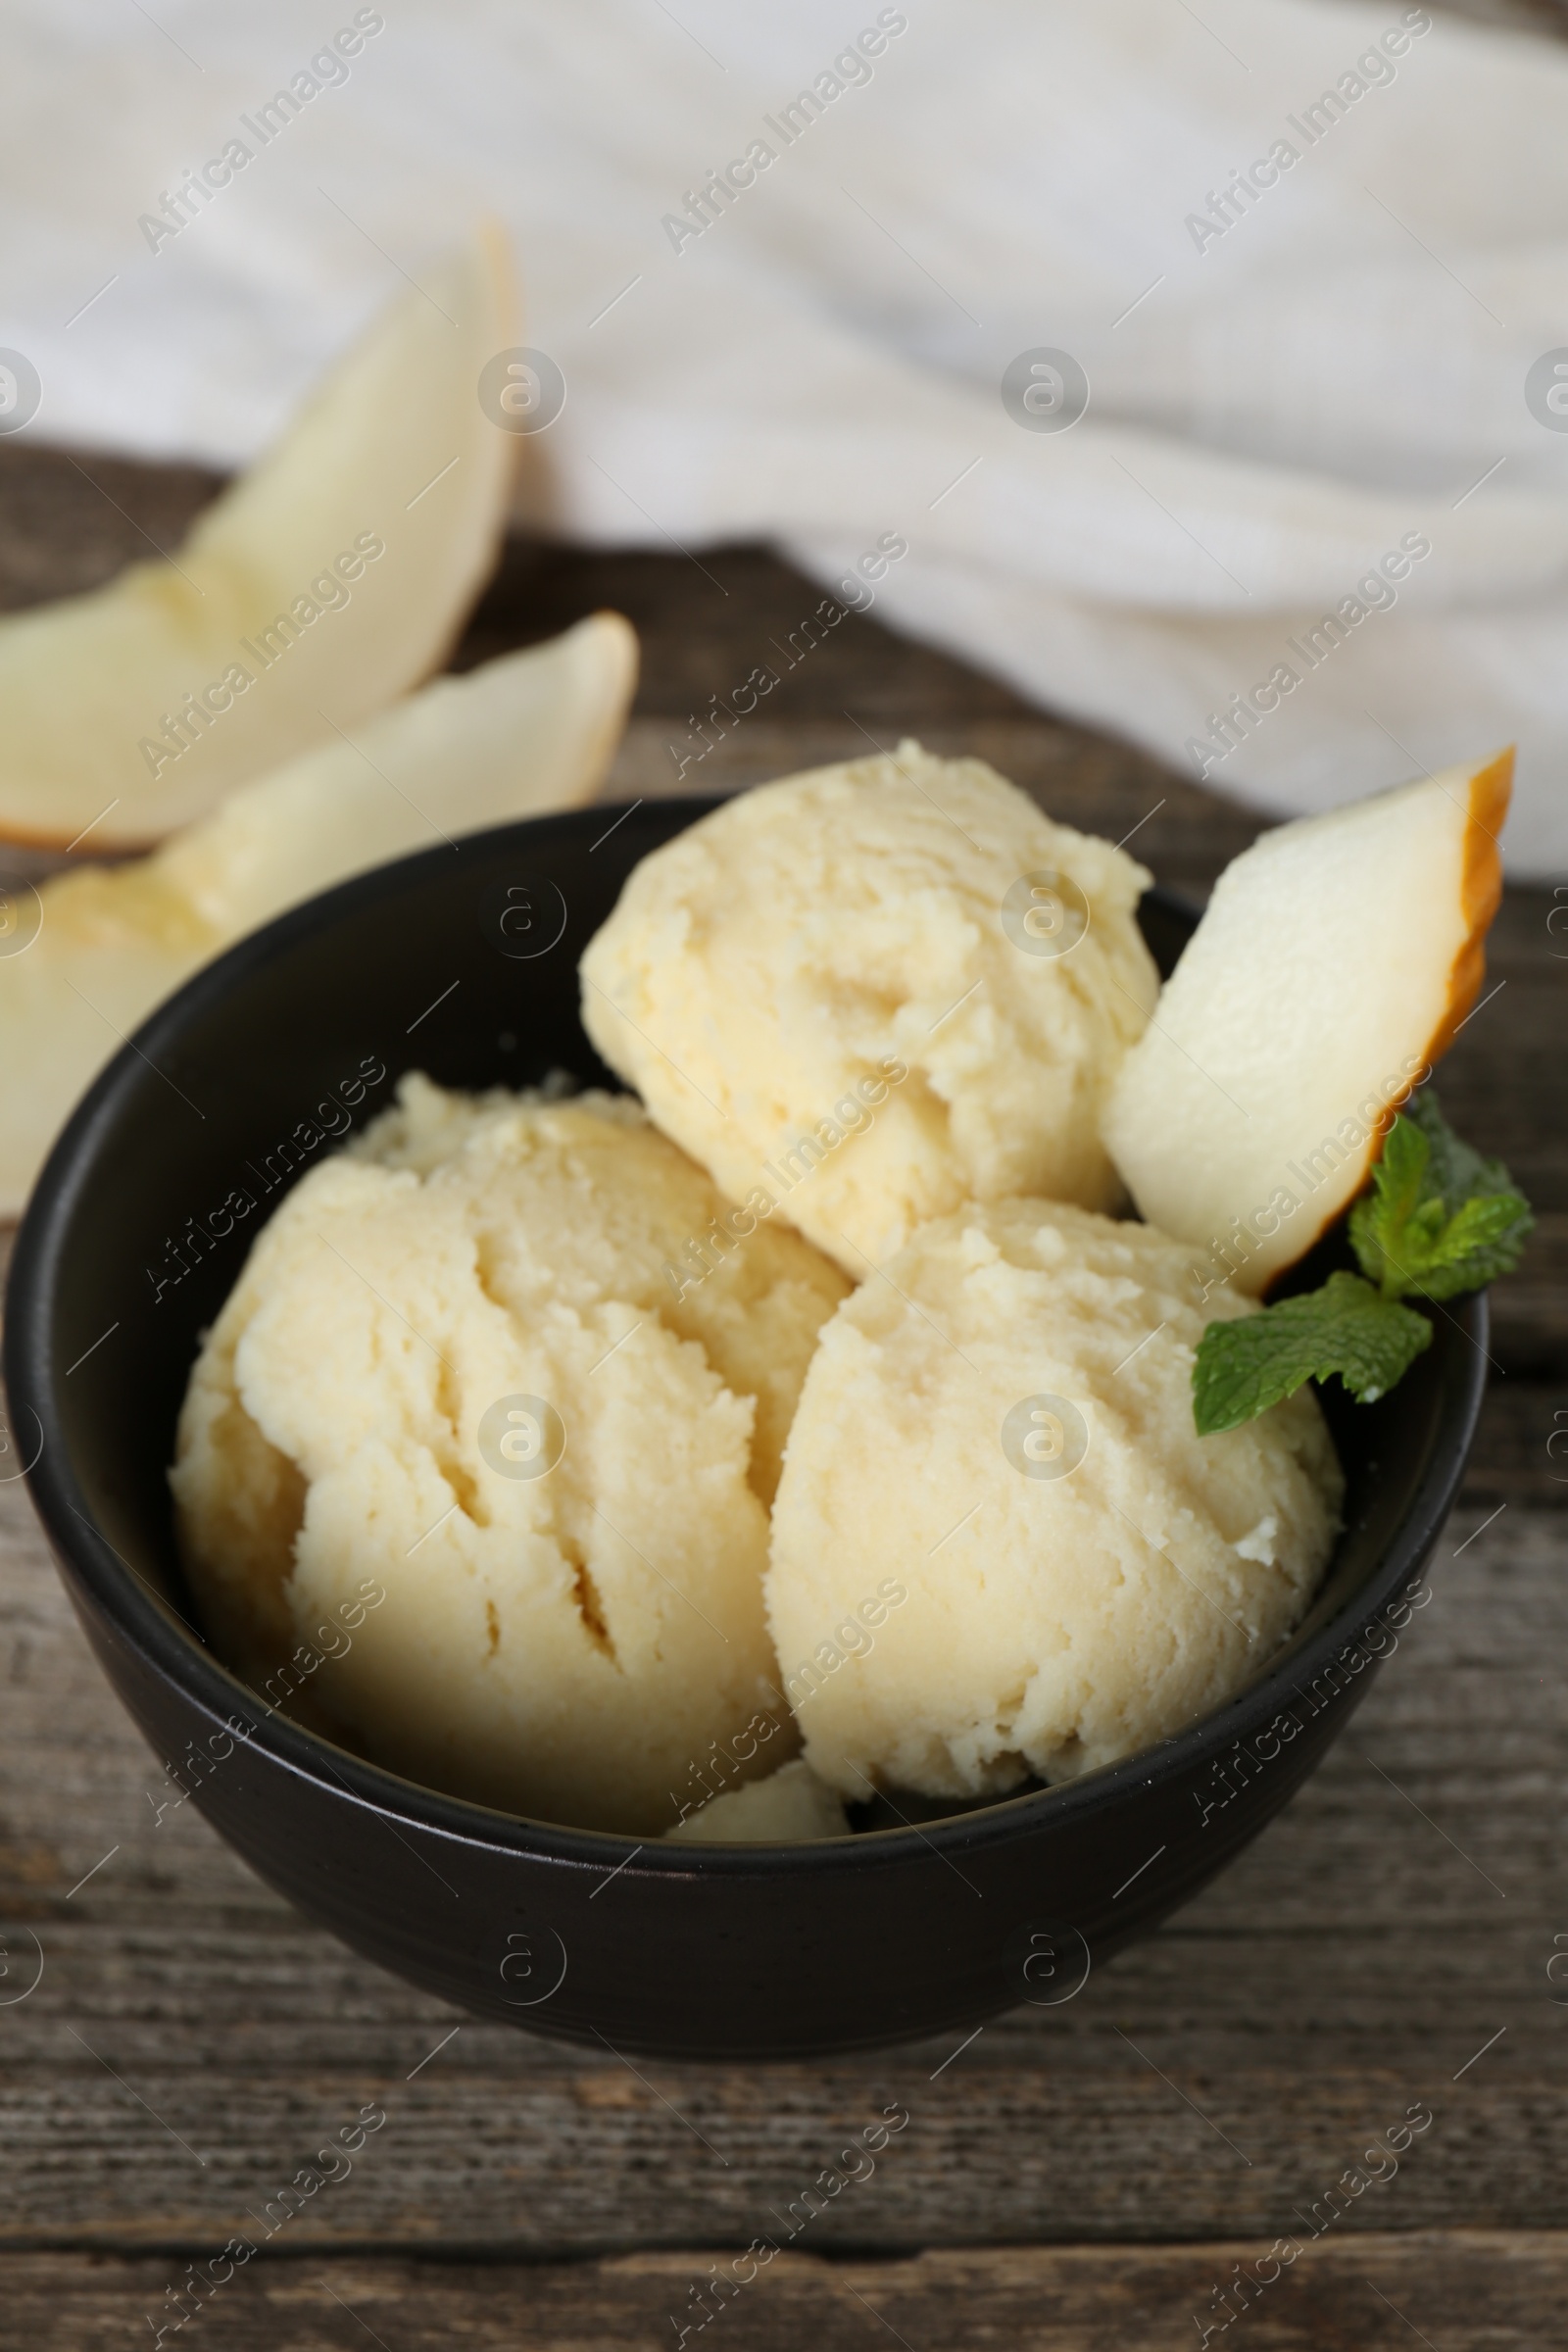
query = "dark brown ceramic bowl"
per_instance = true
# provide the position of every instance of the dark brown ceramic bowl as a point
(463, 964)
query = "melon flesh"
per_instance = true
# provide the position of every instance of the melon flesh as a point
(278, 584)
(530, 732)
(1333, 966)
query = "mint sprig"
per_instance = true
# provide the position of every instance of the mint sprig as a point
(1347, 1327)
(1439, 1219)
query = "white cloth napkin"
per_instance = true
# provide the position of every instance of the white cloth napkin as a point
(1310, 395)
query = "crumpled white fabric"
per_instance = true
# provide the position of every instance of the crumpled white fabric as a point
(1279, 400)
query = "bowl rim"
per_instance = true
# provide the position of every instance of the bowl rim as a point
(163, 1641)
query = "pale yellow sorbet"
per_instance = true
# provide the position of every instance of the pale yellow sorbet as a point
(1003, 1425)
(790, 1807)
(564, 1644)
(871, 992)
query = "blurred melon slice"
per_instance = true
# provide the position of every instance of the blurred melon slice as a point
(129, 711)
(1336, 960)
(533, 731)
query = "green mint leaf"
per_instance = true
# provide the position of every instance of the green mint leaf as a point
(1439, 1218)
(1482, 1239)
(1380, 1221)
(1457, 1173)
(1346, 1327)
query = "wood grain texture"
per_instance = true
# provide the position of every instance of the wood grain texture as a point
(1465, 2291)
(191, 2041)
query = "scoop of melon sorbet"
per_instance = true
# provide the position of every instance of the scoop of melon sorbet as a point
(456, 1373)
(1001, 1431)
(866, 994)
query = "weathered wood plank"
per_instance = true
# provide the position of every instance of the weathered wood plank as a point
(1465, 2291)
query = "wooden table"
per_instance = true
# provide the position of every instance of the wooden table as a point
(1076, 2178)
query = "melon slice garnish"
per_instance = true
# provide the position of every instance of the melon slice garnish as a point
(98, 946)
(1336, 962)
(317, 588)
